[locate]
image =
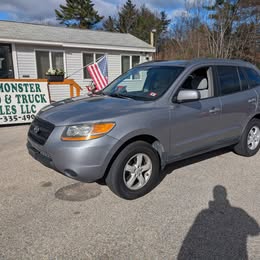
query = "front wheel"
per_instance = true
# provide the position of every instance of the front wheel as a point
(135, 171)
(249, 143)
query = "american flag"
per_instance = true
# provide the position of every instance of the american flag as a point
(99, 73)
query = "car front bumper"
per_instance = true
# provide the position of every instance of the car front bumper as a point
(85, 161)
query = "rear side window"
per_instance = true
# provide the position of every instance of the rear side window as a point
(253, 77)
(228, 80)
(244, 83)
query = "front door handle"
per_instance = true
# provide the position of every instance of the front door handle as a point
(252, 100)
(214, 110)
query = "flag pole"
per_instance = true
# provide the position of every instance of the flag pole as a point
(85, 66)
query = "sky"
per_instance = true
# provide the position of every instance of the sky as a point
(42, 11)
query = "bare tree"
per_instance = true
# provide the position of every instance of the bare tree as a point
(215, 28)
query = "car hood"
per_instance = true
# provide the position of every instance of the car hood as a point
(90, 109)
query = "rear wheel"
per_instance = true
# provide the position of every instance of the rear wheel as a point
(249, 143)
(135, 171)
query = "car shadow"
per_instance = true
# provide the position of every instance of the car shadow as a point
(219, 232)
(199, 158)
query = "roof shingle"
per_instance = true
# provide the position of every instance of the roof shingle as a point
(54, 34)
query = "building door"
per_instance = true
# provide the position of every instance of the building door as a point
(6, 62)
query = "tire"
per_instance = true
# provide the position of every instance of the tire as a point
(249, 143)
(135, 171)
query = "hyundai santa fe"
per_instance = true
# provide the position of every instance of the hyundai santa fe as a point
(155, 114)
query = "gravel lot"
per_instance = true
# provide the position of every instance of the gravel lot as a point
(44, 215)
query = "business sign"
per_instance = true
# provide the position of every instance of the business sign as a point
(21, 100)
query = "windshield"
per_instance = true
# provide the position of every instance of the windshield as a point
(144, 83)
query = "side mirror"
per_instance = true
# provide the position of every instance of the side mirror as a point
(188, 95)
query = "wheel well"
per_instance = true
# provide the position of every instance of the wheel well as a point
(146, 138)
(257, 116)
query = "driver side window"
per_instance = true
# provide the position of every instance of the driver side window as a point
(201, 80)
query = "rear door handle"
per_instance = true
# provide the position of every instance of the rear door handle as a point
(214, 110)
(252, 100)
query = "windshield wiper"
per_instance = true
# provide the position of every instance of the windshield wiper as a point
(118, 95)
(99, 93)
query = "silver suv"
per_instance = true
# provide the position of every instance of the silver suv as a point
(155, 114)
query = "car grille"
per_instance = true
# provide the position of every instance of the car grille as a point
(40, 131)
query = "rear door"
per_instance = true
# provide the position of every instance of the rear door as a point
(253, 77)
(238, 101)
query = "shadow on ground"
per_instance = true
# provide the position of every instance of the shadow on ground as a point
(180, 164)
(219, 232)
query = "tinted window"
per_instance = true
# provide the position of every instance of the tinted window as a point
(244, 83)
(253, 77)
(228, 79)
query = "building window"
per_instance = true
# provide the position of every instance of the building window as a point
(48, 59)
(6, 62)
(57, 60)
(135, 61)
(128, 62)
(90, 58)
(125, 64)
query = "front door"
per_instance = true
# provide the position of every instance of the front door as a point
(6, 62)
(195, 124)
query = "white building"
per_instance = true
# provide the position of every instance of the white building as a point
(29, 50)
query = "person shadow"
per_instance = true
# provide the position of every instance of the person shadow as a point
(219, 232)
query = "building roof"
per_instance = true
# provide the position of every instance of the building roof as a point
(70, 37)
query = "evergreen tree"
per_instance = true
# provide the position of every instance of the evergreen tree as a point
(138, 22)
(127, 17)
(110, 24)
(147, 21)
(78, 13)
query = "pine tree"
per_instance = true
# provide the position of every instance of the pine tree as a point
(127, 17)
(111, 24)
(147, 21)
(78, 13)
(125, 20)
(138, 22)
(164, 21)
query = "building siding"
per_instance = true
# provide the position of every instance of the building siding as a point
(59, 92)
(26, 62)
(73, 61)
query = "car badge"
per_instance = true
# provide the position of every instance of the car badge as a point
(36, 129)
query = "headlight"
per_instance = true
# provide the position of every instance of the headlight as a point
(86, 132)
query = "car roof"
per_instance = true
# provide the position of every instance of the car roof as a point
(204, 61)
